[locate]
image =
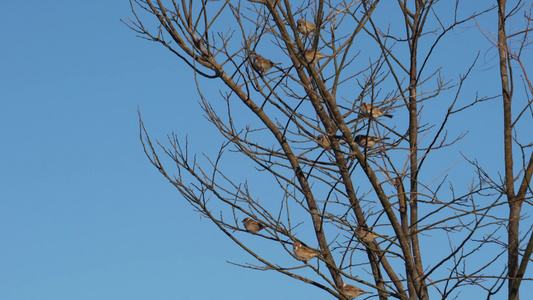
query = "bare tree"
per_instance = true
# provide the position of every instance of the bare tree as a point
(340, 93)
(510, 52)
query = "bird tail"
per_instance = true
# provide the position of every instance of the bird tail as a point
(387, 115)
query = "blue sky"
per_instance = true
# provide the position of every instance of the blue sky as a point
(83, 215)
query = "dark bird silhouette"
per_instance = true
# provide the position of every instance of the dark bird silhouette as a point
(262, 64)
(367, 141)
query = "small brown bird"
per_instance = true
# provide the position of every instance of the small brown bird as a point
(371, 111)
(302, 252)
(305, 27)
(323, 141)
(252, 225)
(312, 57)
(365, 235)
(351, 291)
(262, 64)
(367, 141)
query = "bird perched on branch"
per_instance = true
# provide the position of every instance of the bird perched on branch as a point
(365, 235)
(302, 252)
(367, 141)
(312, 57)
(352, 291)
(323, 141)
(371, 111)
(252, 226)
(305, 27)
(262, 64)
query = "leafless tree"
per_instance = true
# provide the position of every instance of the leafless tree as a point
(511, 48)
(360, 195)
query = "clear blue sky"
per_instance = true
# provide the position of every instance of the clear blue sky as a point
(83, 215)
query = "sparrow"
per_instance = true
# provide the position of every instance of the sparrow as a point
(252, 225)
(323, 141)
(262, 64)
(367, 141)
(371, 111)
(351, 291)
(365, 235)
(305, 27)
(302, 252)
(312, 57)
